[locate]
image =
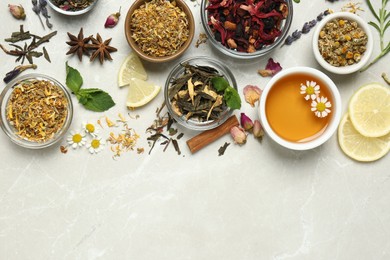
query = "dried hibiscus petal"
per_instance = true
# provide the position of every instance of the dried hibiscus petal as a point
(271, 68)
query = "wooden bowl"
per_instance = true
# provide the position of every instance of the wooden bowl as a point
(191, 26)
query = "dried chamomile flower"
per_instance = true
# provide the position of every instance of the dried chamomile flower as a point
(310, 90)
(76, 139)
(90, 129)
(321, 107)
(96, 145)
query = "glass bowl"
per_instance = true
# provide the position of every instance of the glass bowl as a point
(284, 27)
(154, 59)
(177, 71)
(9, 127)
(72, 13)
(365, 57)
(285, 79)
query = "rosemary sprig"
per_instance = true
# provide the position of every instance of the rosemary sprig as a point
(382, 24)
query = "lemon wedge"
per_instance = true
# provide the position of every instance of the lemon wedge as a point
(359, 147)
(141, 92)
(131, 68)
(369, 110)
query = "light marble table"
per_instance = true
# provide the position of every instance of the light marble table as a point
(258, 201)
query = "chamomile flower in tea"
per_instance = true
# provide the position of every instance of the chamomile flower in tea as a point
(90, 129)
(321, 107)
(95, 145)
(310, 90)
(76, 139)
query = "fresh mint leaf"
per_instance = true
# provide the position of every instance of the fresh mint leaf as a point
(232, 98)
(219, 83)
(97, 101)
(73, 79)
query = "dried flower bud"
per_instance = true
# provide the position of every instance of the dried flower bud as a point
(17, 11)
(238, 134)
(246, 122)
(112, 20)
(252, 94)
(258, 131)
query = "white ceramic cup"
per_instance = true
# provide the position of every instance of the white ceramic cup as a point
(335, 114)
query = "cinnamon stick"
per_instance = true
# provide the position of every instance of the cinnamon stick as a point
(201, 140)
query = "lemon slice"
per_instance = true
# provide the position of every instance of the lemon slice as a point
(359, 147)
(131, 68)
(141, 92)
(369, 109)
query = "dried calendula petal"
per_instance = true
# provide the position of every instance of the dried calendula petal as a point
(159, 28)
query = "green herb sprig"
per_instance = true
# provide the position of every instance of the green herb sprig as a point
(382, 24)
(230, 95)
(93, 99)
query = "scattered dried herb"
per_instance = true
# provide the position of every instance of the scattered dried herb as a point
(78, 44)
(37, 109)
(93, 99)
(16, 71)
(27, 51)
(72, 5)
(113, 19)
(179, 136)
(41, 7)
(101, 49)
(352, 7)
(222, 149)
(202, 39)
(384, 76)
(305, 28)
(342, 42)
(246, 26)
(124, 141)
(159, 28)
(156, 130)
(202, 93)
(383, 23)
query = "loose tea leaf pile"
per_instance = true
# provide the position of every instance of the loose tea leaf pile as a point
(28, 51)
(72, 5)
(201, 93)
(37, 109)
(159, 28)
(246, 26)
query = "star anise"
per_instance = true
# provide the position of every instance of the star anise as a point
(78, 44)
(101, 49)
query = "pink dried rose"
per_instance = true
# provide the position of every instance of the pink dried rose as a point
(17, 11)
(238, 134)
(252, 94)
(112, 20)
(270, 69)
(258, 131)
(246, 122)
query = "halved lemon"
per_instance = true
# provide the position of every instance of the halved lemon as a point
(359, 147)
(131, 68)
(369, 109)
(141, 92)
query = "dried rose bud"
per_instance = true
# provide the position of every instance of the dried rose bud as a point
(258, 131)
(271, 68)
(17, 11)
(238, 134)
(252, 94)
(246, 122)
(112, 20)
